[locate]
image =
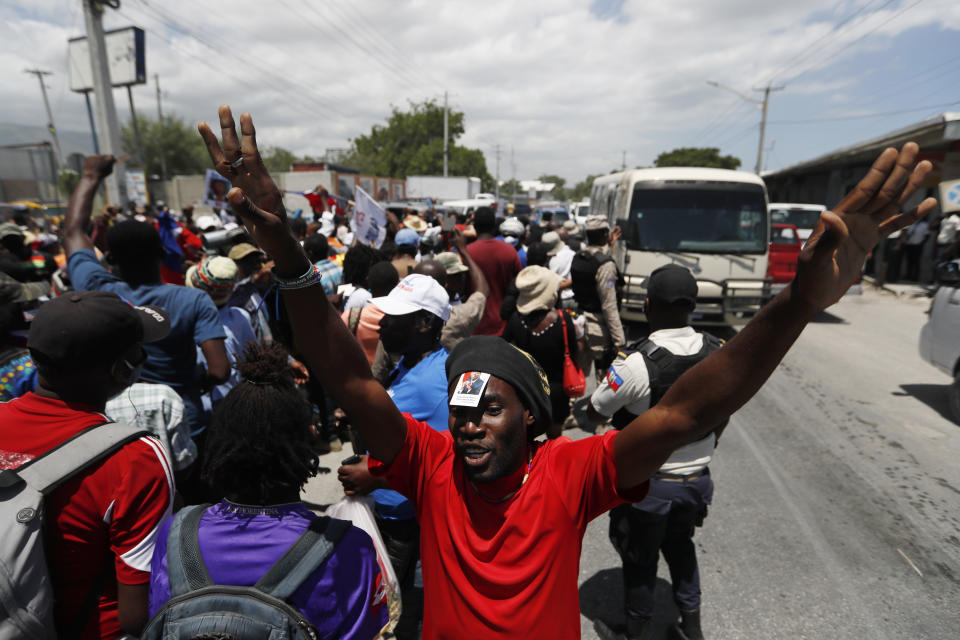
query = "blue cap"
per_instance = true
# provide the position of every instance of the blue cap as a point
(407, 237)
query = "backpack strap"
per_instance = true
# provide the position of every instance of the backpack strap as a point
(311, 550)
(354, 319)
(47, 472)
(185, 567)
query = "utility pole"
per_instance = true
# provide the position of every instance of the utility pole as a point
(161, 150)
(513, 177)
(109, 130)
(763, 118)
(46, 103)
(497, 190)
(446, 141)
(763, 123)
(623, 161)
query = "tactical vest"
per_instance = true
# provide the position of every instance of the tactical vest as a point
(583, 273)
(663, 369)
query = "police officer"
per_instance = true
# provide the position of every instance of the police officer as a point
(681, 490)
(595, 281)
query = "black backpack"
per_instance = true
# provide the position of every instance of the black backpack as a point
(200, 608)
(664, 368)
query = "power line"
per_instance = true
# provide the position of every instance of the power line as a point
(837, 52)
(278, 82)
(867, 115)
(832, 33)
(384, 44)
(341, 34)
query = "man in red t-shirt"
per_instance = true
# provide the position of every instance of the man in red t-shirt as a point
(499, 263)
(502, 516)
(101, 524)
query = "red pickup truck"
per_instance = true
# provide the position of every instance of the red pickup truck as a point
(785, 245)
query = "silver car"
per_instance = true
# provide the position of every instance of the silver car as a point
(940, 336)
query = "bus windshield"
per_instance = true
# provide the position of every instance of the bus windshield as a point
(706, 218)
(800, 218)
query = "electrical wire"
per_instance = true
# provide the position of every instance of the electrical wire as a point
(865, 115)
(292, 90)
(837, 28)
(341, 35)
(833, 55)
(385, 45)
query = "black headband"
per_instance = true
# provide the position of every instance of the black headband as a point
(501, 359)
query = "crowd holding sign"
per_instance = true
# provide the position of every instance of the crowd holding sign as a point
(215, 188)
(369, 220)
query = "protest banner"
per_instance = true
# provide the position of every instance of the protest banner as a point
(369, 220)
(215, 189)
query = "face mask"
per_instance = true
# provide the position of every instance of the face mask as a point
(132, 373)
(511, 240)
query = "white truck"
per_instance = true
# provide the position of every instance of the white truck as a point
(715, 222)
(443, 188)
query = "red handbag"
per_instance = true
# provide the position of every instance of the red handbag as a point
(574, 382)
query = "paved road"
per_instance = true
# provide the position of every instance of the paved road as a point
(835, 514)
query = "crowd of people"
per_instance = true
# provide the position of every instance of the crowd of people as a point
(447, 357)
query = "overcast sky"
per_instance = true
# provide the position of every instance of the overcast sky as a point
(568, 85)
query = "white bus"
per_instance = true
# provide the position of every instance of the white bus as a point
(713, 221)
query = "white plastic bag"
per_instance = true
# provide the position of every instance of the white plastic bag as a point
(359, 511)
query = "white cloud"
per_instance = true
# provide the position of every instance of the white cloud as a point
(567, 89)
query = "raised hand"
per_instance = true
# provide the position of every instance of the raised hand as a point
(255, 196)
(834, 254)
(98, 167)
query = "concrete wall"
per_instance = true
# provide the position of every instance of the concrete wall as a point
(182, 191)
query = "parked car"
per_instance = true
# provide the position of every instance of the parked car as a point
(803, 216)
(785, 245)
(940, 336)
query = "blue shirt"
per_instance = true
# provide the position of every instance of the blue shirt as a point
(236, 324)
(331, 275)
(193, 319)
(421, 392)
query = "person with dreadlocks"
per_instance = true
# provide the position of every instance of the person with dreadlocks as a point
(261, 449)
(501, 515)
(356, 267)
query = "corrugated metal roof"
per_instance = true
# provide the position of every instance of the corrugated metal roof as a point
(937, 130)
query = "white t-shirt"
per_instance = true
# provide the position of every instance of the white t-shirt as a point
(948, 229)
(627, 386)
(560, 264)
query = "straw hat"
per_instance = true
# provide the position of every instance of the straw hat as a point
(538, 288)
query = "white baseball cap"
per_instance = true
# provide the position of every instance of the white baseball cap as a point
(416, 292)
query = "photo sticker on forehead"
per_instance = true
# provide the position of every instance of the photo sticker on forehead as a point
(469, 389)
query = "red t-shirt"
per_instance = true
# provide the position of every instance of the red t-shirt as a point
(500, 264)
(108, 513)
(505, 570)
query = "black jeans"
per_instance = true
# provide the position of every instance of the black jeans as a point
(665, 521)
(402, 539)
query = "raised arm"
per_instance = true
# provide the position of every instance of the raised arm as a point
(322, 337)
(77, 217)
(830, 262)
(478, 282)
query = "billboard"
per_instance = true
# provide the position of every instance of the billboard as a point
(125, 59)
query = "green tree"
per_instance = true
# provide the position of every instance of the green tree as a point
(559, 192)
(176, 141)
(696, 157)
(411, 143)
(511, 187)
(278, 159)
(583, 188)
(67, 181)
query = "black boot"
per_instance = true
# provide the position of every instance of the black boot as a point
(689, 627)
